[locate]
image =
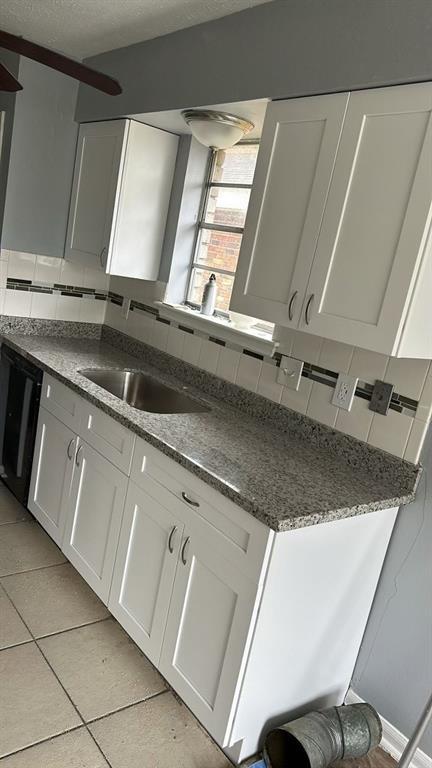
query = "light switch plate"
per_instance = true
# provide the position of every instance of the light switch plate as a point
(345, 390)
(381, 396)
(290, 372)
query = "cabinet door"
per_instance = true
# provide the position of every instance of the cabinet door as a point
(98, 164)
(145, 567)
(206, 635)
(51, 474)
(292, 178)
(370, 246)
(94, 517)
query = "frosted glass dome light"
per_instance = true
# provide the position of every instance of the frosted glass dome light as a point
(217, 130)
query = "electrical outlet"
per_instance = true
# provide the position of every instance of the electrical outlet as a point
(345, 390)
(290, 372)
(125, 308)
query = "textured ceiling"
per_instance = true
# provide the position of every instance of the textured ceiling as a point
(85, 27)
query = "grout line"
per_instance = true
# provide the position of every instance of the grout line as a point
(30, 570)
(41, 741)
(98, 746)
(128, 706)
(71, 629)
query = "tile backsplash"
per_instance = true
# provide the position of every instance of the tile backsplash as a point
(401, 432)
(44, 287)
(50, 288)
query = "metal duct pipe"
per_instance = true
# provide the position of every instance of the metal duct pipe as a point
(320, 738)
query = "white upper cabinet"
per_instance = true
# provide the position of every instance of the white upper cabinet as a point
(120, 196)
(338, 236)
(292, 178)
(372, 241)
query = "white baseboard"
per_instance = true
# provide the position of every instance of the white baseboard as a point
(393, 741)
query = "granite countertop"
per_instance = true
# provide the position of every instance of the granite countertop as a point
(284, 480)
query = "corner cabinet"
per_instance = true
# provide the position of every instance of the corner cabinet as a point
(338, 238)
(120, 196)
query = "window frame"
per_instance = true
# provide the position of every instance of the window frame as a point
(202, 225)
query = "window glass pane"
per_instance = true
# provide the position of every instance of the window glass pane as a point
(227, 206)
(218, 249)
(224, 285)
(235, 165)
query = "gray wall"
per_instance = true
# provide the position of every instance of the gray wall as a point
(394, 667)
(280, 49)
(41, 162)
(7, 105)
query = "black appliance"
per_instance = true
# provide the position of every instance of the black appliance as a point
(20, 389)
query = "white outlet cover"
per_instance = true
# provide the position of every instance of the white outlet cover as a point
(345, 390)
(290, 372)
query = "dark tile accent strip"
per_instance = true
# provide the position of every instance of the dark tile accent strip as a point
(18, 280)
(249, 353)
(144, 308)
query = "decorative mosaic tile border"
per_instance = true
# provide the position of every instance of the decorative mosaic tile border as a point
(399, 402)
(60, 289)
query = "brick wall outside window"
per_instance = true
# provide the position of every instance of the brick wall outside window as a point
(220, 249)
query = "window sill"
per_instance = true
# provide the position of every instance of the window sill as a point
(256, 341)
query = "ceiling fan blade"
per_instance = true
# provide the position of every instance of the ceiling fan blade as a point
(61, 63)
(8, 82)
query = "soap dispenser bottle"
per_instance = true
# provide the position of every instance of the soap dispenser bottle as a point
(209, 296)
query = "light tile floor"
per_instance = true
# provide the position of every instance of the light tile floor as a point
(75, 691)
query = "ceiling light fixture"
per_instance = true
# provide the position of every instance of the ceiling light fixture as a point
(217, 130)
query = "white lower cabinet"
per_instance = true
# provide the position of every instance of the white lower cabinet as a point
(93, 521)
(53, 465)
(145, 567)
(208, 624)
(249, 626)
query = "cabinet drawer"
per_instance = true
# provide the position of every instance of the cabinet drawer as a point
(62, 402)
(248, 538)
(110, 438)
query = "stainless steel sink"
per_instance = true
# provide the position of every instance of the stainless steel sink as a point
(143, 392)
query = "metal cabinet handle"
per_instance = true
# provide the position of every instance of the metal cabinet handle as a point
(188, 500)
(308, 307)
(101, 255)
(170, 538)
(291, 305)
(183, 552)
(71, 443)
(77, 456)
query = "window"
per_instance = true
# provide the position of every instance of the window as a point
(223, 213)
